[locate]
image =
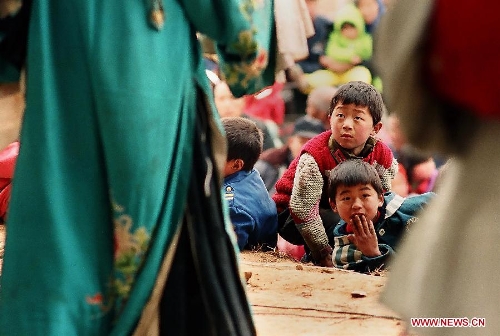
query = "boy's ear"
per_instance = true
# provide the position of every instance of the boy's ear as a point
(238, 164)
(380, 200)
(376, 128)
(333, 205)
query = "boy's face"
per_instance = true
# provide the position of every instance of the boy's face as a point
(350, 32)
(226, 104)
(361, 199)
(352, 125)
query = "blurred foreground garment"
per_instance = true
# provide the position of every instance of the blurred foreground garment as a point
(116, 222)
(440, 63)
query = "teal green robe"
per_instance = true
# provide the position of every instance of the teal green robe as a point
(106, 153)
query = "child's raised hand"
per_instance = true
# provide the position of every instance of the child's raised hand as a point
(364, 236)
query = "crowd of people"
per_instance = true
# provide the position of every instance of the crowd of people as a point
(297, 177)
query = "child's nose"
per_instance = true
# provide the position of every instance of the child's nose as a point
(357, 203)
(348, 122)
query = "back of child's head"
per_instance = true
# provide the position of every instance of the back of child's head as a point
(321, 97)
(360, 94)
(244, 140)
(353, 172)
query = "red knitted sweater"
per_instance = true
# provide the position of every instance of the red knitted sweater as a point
(318, 147)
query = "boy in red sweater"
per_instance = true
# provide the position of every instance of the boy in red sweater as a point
(301, 194)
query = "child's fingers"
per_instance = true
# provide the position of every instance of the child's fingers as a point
(363, 226)
(359, 228)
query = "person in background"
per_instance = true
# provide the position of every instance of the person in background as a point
(318, 104)
(251, 209)
(316, 43)
(117, 188)
(301, 198)
(421, 169)
(229, 106)
(348, 45)
(267, 105)
(372, 11)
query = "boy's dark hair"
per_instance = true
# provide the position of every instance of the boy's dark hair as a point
(244, 140)
(351, 173)
(361, 94)
(347, 24)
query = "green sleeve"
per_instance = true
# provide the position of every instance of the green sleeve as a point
(365, 47)
(244, 34)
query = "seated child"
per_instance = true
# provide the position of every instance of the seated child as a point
(8, 157)
(301, 193)
(421, 169)
(372, 222)
(251, 209)
(348, 46)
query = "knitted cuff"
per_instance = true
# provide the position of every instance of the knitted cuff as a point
(314, 234)
(325, 252)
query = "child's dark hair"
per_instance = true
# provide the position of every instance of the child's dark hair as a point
(347, 24)
(244, 140)
(351, 173)
(360, 94)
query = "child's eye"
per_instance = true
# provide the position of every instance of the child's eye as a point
(358, 118)
(339, 115)
(344, 199)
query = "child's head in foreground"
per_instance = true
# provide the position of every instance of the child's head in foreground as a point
(355, 188)
(355, 115)
(244, 144)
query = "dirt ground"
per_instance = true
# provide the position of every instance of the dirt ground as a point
(291, 298)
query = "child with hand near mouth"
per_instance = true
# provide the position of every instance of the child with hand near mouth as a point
(372, 222)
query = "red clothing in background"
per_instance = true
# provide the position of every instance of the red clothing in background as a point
(464, 54)
(8, 158)
(268, 104)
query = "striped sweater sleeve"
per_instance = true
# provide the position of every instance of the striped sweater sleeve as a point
(304, 203)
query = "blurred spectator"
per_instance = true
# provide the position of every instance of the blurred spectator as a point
(420, 169)
(318, 104)
(229, 106)
(268, 104)
(347, 47)
(316, 43)
(372, 11)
